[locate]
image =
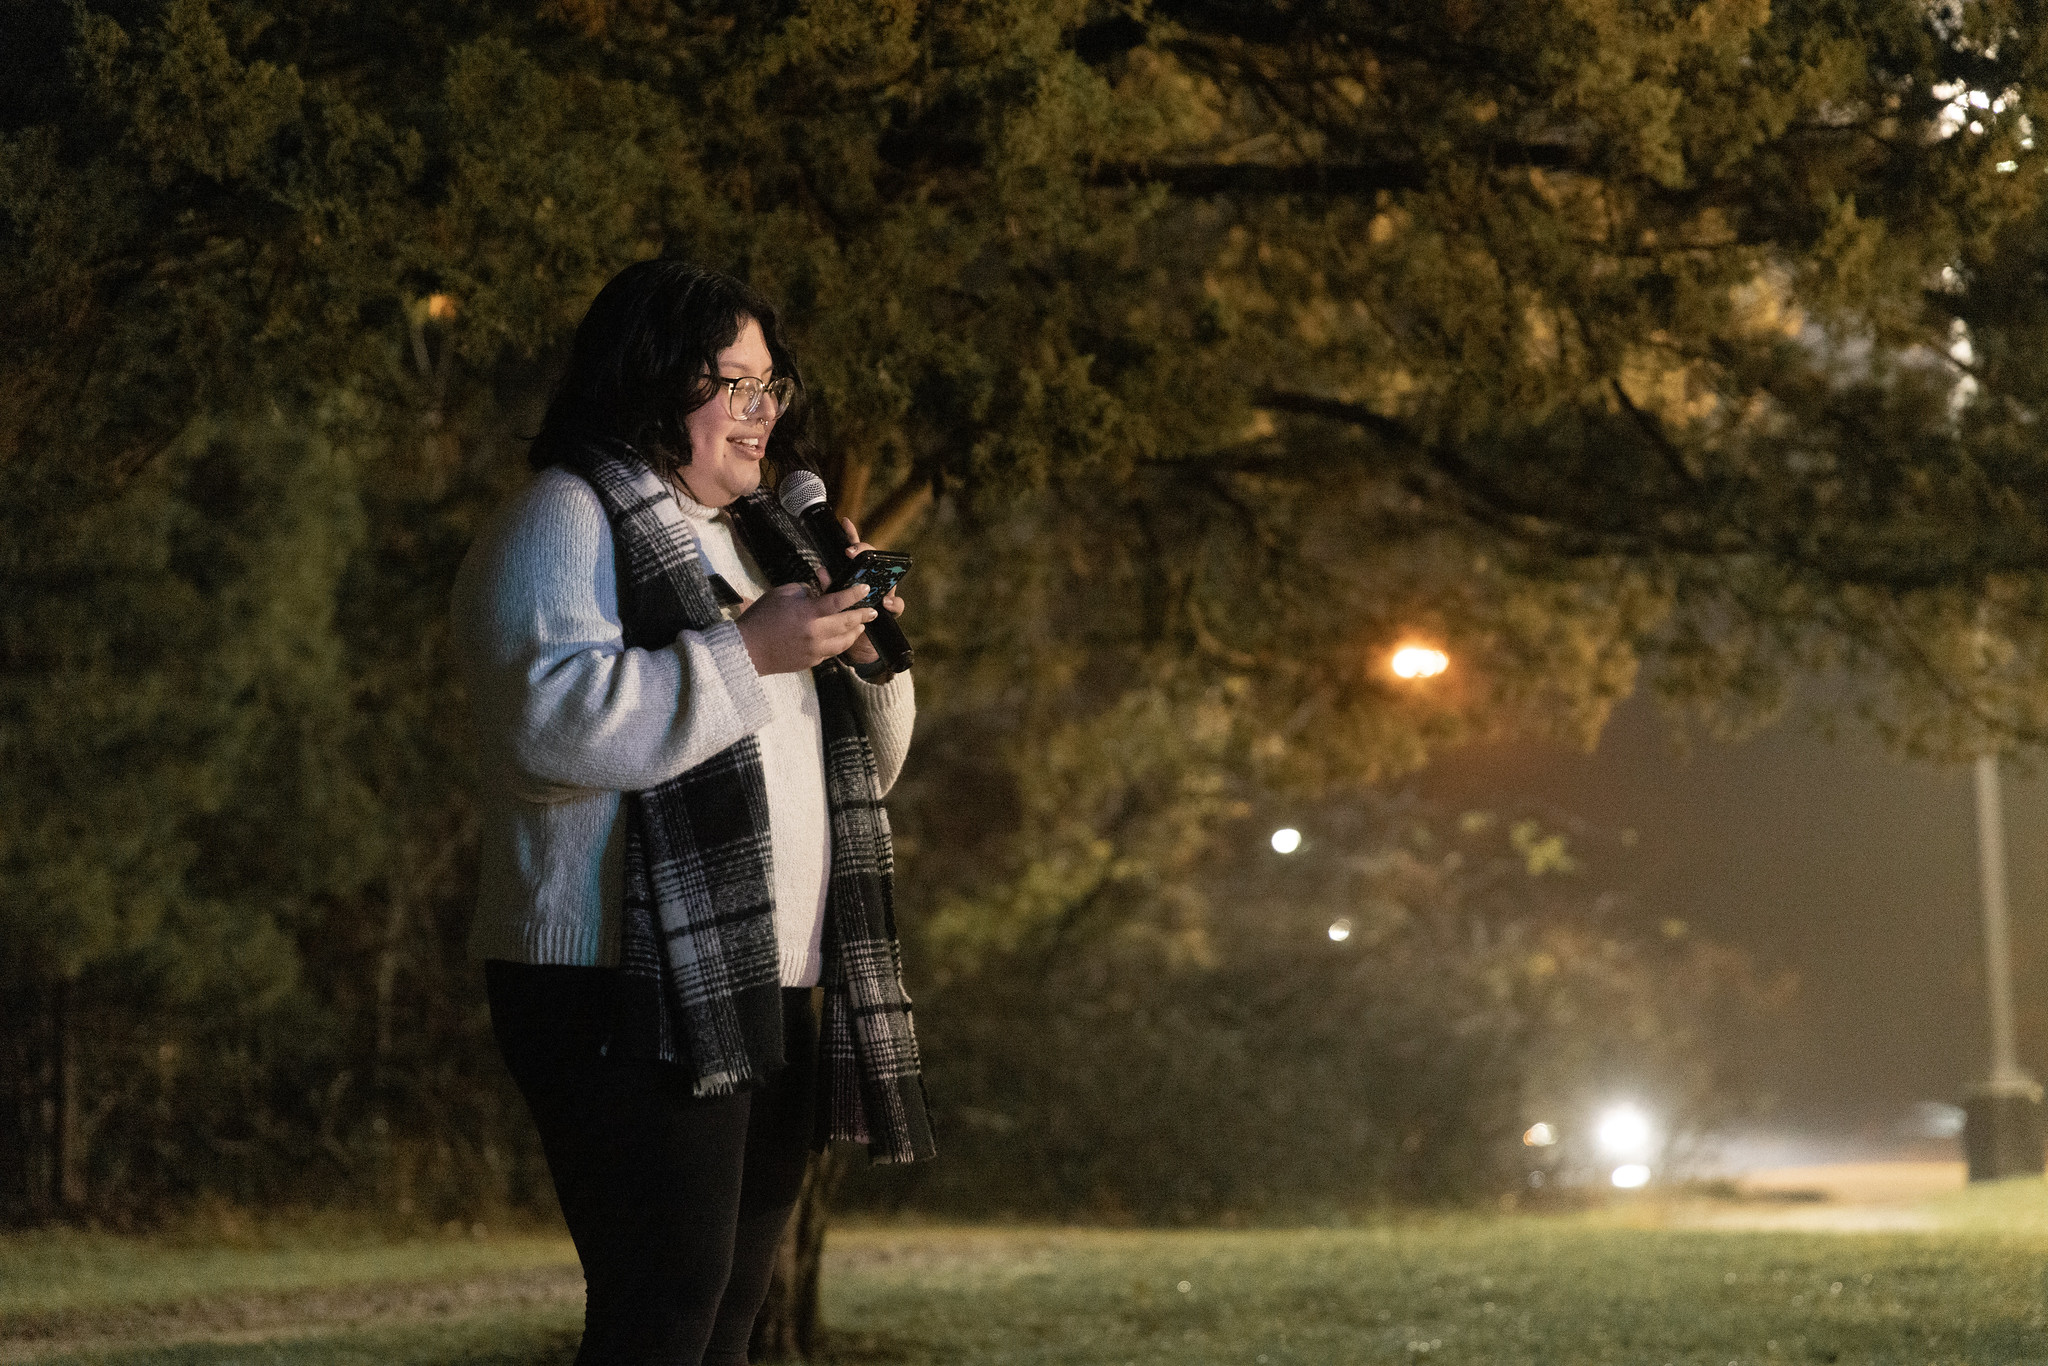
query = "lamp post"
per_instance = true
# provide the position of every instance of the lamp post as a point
(2002, 1119)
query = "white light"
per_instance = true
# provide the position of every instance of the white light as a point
(1959, 348)
(1624, 1131)
(1933, 1119)
(1340, 930)
(1633, 1176)
(1419, 661)
(1286, 840)
(2008, 165)
(1539, 1136)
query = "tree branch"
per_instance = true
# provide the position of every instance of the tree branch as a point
(1339, 179)
(894, 515)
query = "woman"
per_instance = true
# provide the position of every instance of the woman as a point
(684, 747)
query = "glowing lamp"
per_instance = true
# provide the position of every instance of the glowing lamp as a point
(1286, 840)
(1624, 1131)
(1419, 661)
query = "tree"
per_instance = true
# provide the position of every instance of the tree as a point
(1221, 344)
(1668, 293)
(1374, 1019)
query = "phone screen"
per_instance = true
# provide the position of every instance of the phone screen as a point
(880, 571)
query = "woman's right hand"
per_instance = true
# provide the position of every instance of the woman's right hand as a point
(792, 628)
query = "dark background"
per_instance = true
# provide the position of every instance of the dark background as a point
(1827, 857)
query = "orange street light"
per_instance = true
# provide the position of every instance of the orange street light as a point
(1419, 661)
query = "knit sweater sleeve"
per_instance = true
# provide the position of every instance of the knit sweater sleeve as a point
(553, 684)
(891, 713)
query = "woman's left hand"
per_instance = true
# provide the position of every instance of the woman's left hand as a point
(863, 651)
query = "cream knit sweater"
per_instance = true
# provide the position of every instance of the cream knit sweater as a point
(567, 719)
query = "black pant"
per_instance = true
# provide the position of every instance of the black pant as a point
(676, 1204)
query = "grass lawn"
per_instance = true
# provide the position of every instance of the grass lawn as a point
(1641, 1284)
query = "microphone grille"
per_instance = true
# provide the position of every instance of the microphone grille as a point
(800, 490)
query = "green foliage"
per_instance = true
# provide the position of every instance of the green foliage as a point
(1659, 298)
(1238, 343)
(180, 648)
(1377, 1017)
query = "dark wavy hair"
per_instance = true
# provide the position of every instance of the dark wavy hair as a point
(642, 361)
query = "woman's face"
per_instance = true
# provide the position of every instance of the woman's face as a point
(725, 455)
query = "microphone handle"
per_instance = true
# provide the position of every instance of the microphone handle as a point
(889, 641)
(883, 633)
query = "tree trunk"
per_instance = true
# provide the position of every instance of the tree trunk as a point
(67, 1128)
(393, 1178)
(25, 1091)
(387, 992)
(893, 516)
(787, 1329)
(853, 490)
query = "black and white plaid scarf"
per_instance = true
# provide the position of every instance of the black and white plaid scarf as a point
(699, 984)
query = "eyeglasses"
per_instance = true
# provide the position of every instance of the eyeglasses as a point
(743, 395)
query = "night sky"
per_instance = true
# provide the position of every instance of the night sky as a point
(1835, 859)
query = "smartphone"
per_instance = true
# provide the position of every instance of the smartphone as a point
(880, 571)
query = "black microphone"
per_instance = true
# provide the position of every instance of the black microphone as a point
(803, 497)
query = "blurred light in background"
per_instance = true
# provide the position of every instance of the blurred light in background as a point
(1933, 1119)
(1286, 840)
(1419, 661)
(1631, 1177)
(1624, 1131)
(1539, 1136)
(1340, 930)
